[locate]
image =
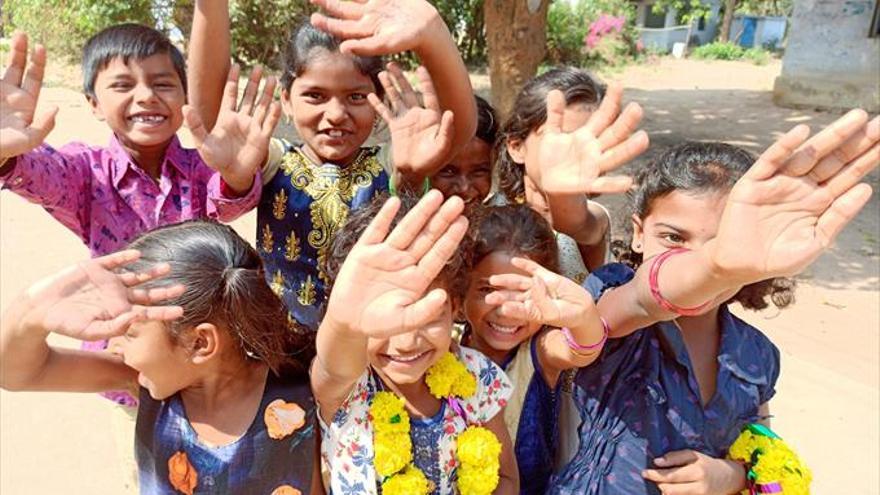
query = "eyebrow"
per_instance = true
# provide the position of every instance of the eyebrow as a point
(671, 227)
(363, 87)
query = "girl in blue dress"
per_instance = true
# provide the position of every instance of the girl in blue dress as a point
(224, 406)
(711, 225)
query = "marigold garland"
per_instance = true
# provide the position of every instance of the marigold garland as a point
(477, 449)
(773, 466)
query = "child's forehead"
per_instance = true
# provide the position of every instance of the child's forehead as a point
(152, 65)
(331, 69)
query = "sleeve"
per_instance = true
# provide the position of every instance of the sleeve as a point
(493, 387)
(58, 180)
(773, 361)
(224, 205)
(607, 277)
(356, 405)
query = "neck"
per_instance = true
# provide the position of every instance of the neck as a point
(472, 340)
(317, 160)
(417, 395)
(536, 199)
(148, 158)
(700, 325)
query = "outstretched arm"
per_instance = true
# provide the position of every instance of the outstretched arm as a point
(382, 290)
(87, 302)
(208, 58)
(779, 217)
(383, 27)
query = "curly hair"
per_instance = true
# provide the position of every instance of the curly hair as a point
(700, 168)
(453, 276)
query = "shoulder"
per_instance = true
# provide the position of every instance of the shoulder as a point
(493, 385)
(747, 352)
(607, 277)
(749, 340)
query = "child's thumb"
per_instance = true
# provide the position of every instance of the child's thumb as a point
(43, 125)
(195, 124)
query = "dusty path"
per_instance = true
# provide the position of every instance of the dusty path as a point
(827, 403)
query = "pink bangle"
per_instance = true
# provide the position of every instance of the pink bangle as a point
(575, 347)
(655, 286)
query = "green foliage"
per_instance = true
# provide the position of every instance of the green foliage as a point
(261, 28)
(465, 21)
(730, 51)
(63, 26)
(688, 10)
(568, 25)
(765, 7)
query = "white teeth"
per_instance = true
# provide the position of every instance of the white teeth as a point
(335, 133)
(147, 119)
(502, 328)
(406, 359)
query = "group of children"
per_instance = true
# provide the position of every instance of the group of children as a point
(434, 314)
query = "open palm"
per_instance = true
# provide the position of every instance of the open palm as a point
(421, 136)
(239, 142)
(576, 162)
(797, 198)
(381, 287)
(19, 94)
(375, 27)
(89, 301)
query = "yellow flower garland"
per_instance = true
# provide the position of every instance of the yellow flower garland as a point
(770, 461)
(477, 449)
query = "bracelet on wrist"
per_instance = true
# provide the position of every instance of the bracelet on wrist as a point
(580, 349)
(654, 283)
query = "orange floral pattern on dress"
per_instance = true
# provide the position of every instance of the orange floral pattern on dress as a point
(283, 418)
(182, 474)
(286, 490)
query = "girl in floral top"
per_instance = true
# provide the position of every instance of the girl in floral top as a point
(388, 328)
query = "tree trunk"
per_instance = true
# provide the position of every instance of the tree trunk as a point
(727, 20)
(516, 35)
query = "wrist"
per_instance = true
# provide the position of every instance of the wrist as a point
(235, 186)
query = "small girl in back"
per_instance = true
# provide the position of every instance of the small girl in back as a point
(530, 321)
(213, 415)
(404, 410)
(663, 404)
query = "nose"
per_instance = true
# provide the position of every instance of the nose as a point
(461, 187)
(144, 93)
(404, 343)
(335, 111)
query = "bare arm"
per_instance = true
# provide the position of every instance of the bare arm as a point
(208, 59)
(508, 473)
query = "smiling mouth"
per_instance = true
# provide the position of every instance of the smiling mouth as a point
(151, 119)
(408, 358)
(334, 133)
(504, 329)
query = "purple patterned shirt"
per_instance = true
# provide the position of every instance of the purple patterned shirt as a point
(101, 195)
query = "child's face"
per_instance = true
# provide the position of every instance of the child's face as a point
(678, 219)
(162, 366)
(526, 151)
(141, 101)
(490, 329)
(329, 107)
(468, 175)
(405, 358)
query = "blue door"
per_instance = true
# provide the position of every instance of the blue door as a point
(750, 25)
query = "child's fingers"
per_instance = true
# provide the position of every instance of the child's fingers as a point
(251, 90)
(379, 226)
(196, 125)
(499, 297)
(230, 90)
(683, 474)
(429, 93)
(612, 184)
(262, 109)
(398, 105)
(445, 133)
(17, 60)
(435, 228)
(380, 107)
(607, 112)
(151, 297)
(623, 127)
(410, 99)
(435, 259)
(131, 279)
(158, 313)
(691, 488)
(515, 310)
(676, 458)
(412, 224)
(365, 46)
(528, 266)
(511, 281)
(774, 157)
(828, 139)
(33, 79)
(342, 10)
(853, 172)
(271, 120)
(841, 212)
(103, 330)
(853, 148)
(345, 29)
(41, 126)
(120, 258)
(555, 111)
(624, 152)
(424, 311)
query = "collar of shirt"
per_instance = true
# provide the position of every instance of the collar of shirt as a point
(121, 161)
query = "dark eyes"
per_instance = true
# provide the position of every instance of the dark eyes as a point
(672, 238)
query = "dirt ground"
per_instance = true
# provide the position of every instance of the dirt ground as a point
(827, 402)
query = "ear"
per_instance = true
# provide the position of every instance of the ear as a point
(638, 239)
(286, 104)
(204, 343)
(96, 109)
(517, 150)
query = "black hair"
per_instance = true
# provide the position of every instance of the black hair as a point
(454, 274)
(515, 229)
(128, 41)
(487, 121)
(529, 112)
(306, 41)
(225, 285)
(700, 168)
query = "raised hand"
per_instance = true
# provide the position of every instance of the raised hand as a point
(421, 136)
(21, 130)
(542, 297)
(576, 162)
(797, 197)
(378, 27)
(688, 472)
(382, 288)
(89, 301)
(239, 142)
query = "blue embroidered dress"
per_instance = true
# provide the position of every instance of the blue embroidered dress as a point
(302, 207)
(640, 399)
(275, 456)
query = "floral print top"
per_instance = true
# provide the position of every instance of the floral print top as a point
(347, 442)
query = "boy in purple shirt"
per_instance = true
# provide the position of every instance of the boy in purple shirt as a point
(135, 81)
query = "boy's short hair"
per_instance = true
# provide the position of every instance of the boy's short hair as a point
(129, 41)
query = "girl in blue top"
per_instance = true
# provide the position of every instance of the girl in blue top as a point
(665, 401)
(223, 406)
